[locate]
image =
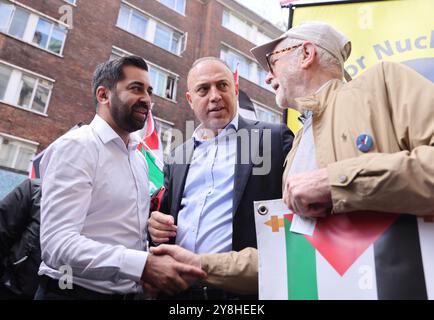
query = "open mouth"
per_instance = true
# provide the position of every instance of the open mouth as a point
(216, 109)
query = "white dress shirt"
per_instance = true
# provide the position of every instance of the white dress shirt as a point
(94, 209)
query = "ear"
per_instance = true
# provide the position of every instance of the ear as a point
(237, 91)
(308, 55)
(189, 99)
(102, 95)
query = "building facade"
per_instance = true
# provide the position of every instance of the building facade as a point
(50, 48)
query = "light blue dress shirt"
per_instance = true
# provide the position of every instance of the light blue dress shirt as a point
(205, 218)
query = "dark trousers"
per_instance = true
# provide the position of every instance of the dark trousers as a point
(49, 290)
(7, 294)
(200, 292)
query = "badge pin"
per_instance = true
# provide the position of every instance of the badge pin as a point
(364, 142)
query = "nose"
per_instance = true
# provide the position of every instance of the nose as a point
(146, 98)
(215, 94)
(269, 77)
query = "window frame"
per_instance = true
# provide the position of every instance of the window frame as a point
(159, 122)
(21, 144)
(72, 4)
(151, 28)
(174, 9)
(30, 27)
(253, 65)
(13, 90)
(252, 29)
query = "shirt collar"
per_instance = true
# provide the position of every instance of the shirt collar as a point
(107, 134)
(201, 135)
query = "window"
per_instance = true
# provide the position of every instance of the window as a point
(48, 36)
(150, 30)
(71, 1)
(5, 74)
(16, 154)
(262, 75)
(31, 28)
(177, 5)
(24, 89)
(6, 11)
(236, 25)
(233, 58)
(163, 82)
(248, 69)
(262, 38)
(138, 24)
(167, 39)
(19, 22)
(165, 135)
(267, 115)
(243, 28)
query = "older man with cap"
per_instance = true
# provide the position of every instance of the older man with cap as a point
(367, 145)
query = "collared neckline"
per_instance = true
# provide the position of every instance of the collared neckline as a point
(198, 139)
(107, 134)
(316, 102)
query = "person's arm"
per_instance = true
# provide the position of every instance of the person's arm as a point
(401, 182)
(15, 214)
(232, 271)
(236, 272)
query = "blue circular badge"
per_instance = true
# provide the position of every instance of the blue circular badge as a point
(364, 142)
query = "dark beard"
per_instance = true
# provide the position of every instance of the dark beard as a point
(122, 114)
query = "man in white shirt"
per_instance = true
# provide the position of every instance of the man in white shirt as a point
(95, 200)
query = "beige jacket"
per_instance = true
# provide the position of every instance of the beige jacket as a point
(395, 106)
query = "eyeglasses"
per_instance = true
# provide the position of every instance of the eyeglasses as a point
(268, 55)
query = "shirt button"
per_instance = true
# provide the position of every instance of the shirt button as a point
(193, 230)
(343, 179)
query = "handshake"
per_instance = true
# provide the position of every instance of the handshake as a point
(169, 268)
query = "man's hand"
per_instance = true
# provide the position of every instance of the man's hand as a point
(309, 194)
(179, 254)
(166, 274)
(161, 227)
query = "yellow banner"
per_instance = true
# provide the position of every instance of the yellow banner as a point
(393, 30)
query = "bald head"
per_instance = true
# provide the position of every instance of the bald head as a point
(200, 63)
(212, 93)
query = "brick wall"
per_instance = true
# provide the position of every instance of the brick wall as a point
(90, 43)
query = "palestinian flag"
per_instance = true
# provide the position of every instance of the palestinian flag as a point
(362, 255)
(150, 148)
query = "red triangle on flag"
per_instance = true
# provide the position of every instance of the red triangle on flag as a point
(342, 238)
(151, 136)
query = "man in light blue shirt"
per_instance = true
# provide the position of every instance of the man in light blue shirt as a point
(213, 178)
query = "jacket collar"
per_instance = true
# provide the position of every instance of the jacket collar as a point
(318, 101)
